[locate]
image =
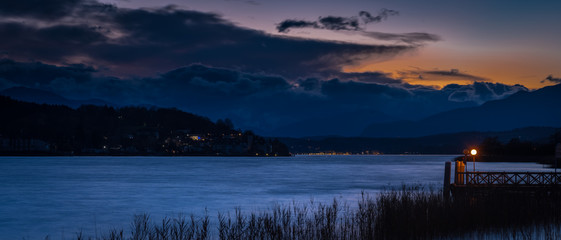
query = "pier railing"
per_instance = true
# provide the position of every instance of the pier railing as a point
(508, 178)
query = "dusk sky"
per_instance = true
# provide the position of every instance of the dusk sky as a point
(514, 42)
(272, 64)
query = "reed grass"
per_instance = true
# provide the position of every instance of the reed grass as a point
(406, 213)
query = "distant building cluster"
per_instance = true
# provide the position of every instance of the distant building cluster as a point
(341, 153)
(180, 142)
(184, 143)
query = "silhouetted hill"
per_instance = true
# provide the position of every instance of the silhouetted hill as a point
(453, 143)
(46, 97)
(523, 109)
(30, 128)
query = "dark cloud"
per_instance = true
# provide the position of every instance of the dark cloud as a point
(382, 15)
(172, 26)
(337, 23)
(40, 9)
(285, 25)
(55, 43)
(356, 24)
(224, 81)
(438, 75)
(410, 38)
(454, 73)
(368, 77)
(550, 78)
(37, 74)
(351, 88)
(148, 41)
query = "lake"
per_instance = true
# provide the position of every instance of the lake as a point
(59, 196)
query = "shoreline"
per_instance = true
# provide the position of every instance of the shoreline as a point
(134, 155)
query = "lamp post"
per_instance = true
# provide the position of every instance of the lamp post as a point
(473, 153)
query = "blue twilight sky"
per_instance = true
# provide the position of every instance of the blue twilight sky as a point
(276, 65)
(514, 42)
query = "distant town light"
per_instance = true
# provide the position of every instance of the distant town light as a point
(473, 152)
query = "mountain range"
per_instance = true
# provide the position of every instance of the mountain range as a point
(45, 97)
(523, 109)
(539, 108)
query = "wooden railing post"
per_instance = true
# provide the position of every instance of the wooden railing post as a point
(459, 170)
(446, 188)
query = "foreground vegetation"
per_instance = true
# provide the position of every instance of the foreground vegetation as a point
(408, 213)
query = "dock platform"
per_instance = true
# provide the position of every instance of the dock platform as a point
(478, 183)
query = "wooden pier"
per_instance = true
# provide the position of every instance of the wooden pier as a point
(477, 183)
(509, 178)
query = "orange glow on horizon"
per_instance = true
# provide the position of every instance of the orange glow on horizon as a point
(498, 67)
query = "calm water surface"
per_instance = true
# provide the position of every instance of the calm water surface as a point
(59, 196)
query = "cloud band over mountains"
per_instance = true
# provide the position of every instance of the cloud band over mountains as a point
(253, 100)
